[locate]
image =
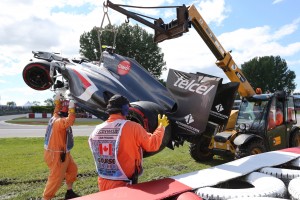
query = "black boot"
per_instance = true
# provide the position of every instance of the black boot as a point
(71, 194)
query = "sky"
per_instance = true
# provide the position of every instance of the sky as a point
(249, 29)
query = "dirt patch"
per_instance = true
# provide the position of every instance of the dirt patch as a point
(28, 122)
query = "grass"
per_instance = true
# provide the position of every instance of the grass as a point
(23, 172)
(44, 121)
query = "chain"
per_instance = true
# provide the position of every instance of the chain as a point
(102, 29)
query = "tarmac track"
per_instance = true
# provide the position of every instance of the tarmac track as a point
(8, 130)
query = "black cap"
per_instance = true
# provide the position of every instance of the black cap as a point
(115, 104)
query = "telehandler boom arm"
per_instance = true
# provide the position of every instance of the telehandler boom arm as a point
(185, 17)
(224, 59)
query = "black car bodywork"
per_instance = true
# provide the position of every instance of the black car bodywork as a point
(193, 102)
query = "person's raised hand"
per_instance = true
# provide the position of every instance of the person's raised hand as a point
(57, 97)
(71, 106)
(163, 120)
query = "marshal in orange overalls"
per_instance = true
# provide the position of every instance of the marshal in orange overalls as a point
(133, 137)
(128, 139)
(58, 170)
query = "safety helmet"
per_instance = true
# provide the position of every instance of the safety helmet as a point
(64, 109)
(116, 103)
(258, 91)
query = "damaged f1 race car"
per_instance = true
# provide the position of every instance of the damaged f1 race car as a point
(196, 104)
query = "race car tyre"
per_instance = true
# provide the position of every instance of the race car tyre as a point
(295, 139)
(258, 186)
(286, 175)
(250, 148)
(145, 113)
(293, 189)
(199, 150)
(36, 75)
(296, 163)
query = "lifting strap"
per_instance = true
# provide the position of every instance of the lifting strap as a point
(110, 28)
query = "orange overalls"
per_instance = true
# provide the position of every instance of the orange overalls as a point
(133, 138)
(271, 121)
(57, 143)
(279, 117)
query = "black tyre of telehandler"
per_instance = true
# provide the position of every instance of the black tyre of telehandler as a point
(199, 150)
(295, 139)
(250, 148)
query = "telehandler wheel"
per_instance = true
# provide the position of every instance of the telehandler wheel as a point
(250, 148)
(199, 150)
(295, 140)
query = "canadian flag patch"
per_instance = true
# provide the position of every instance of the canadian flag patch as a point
(105, 149)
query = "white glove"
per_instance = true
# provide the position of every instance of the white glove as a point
(71, 104)
(58, 96)
(62, 92)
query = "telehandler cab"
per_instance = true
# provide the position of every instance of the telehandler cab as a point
(265, 122)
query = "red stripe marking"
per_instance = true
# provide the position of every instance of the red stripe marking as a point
(145, 125)
(292, 150)
(85, 82)
(137, 111)
(158, 189)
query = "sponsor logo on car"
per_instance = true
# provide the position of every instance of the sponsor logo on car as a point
(187, 127)
(189, 119)
(123, 67)
(219, 108)
(193, 86)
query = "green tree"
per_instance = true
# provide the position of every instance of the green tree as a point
(131, 41)
(11, 103)
(269, 73)
(49, 102)
(36, 103)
